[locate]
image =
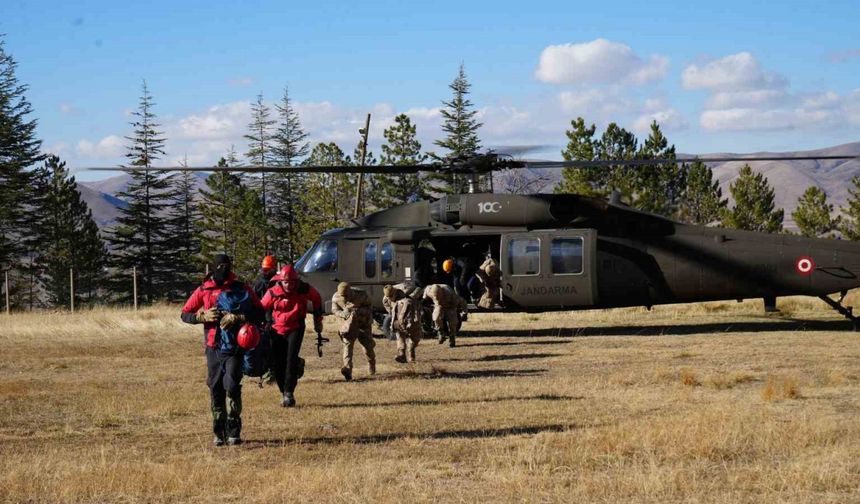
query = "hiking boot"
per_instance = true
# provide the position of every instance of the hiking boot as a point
(442, 338)
(401, 359)
(347, 373)
(219, 440)
(371, 367)
(289, 400)
(451, 342)
(234, 441)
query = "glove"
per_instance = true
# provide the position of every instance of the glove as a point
(231, 319)
(207, 316)
(318, 325)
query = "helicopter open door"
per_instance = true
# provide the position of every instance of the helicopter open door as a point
(550, 268)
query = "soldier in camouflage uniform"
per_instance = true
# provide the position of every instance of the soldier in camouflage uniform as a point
(447, 308)
(491, 276)
(403, 302)
(354, 308)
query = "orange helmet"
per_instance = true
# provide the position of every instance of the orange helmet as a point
(448, 266)
(269, 262)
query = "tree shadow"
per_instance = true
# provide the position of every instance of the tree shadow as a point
(387, 438)
(785, 324)
(507, 357)
(440, 402)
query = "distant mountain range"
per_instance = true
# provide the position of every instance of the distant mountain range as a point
(788, 178)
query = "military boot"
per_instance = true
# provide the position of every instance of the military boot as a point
(289, 400)
(347, 373)
(452, 341)
(401, 358)
(371, 367)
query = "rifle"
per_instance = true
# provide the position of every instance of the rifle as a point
(320, 341)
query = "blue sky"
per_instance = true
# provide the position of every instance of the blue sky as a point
(720, 76)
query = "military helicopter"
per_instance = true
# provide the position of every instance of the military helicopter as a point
(569, 251)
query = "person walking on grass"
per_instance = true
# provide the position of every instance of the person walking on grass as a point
(288, 300)
(223, 303)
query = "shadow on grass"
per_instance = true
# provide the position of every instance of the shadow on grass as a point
(437, 373)
(460, 344)
(440, 402)
(504, 357)
(785, 324)
(387, 438)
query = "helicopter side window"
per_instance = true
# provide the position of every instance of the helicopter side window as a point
(321, 258)
(386, 260)
(524, 256)
(566, 255)
(370, 259)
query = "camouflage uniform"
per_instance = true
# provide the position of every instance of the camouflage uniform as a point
(405, 311)
(447, 307)
(491, 277)
(354, 308)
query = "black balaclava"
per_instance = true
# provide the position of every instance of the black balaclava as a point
(220, 268)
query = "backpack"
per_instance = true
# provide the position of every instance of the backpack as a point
(256, 360)
(406, 315)
(233, 300)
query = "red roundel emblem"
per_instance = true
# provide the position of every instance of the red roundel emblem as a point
(804, 265)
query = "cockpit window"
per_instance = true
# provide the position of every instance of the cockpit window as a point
(321, 258)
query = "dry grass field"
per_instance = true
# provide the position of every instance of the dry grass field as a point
(700, 403)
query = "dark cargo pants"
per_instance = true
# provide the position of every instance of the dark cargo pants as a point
(225, 392)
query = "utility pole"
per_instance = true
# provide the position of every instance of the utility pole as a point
(72, 289)
(134, 274)
(364, 132)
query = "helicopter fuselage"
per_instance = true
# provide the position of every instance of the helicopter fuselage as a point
(564, 251)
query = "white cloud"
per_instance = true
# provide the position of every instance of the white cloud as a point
(67, 108)
(746, 97)
(656, 109)
(218, 122)
(736, 72)
(600, 104)
(597, 62)
(108, 147)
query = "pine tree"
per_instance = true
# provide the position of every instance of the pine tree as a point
(328, 197)
(618, 143)
(19, 149)
(659, 189)
(290, 146)
(249, 231)
(141, 237)
(68, 238)
(813, 214)
(754, 204)
(461, 126)
(183, 217)
(401, 148)
(261, 142)
(219, 212)
(850, 223)
(581, 146)
(702, 201)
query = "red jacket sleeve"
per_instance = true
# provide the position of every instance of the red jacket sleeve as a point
(268, 301)
(194, 303)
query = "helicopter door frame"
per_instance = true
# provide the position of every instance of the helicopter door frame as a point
(543, 269)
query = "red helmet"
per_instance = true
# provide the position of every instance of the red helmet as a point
(269, 262)
(288, 273)
(248, 337)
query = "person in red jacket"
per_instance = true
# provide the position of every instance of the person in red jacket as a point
(224, 357)
(288, 300)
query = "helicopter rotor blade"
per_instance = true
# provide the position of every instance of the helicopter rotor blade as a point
(655, 162)
(390, 169)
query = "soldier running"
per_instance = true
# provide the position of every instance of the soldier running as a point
(403, 302)
(354, 308)
(447, 308)
(491, 276)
